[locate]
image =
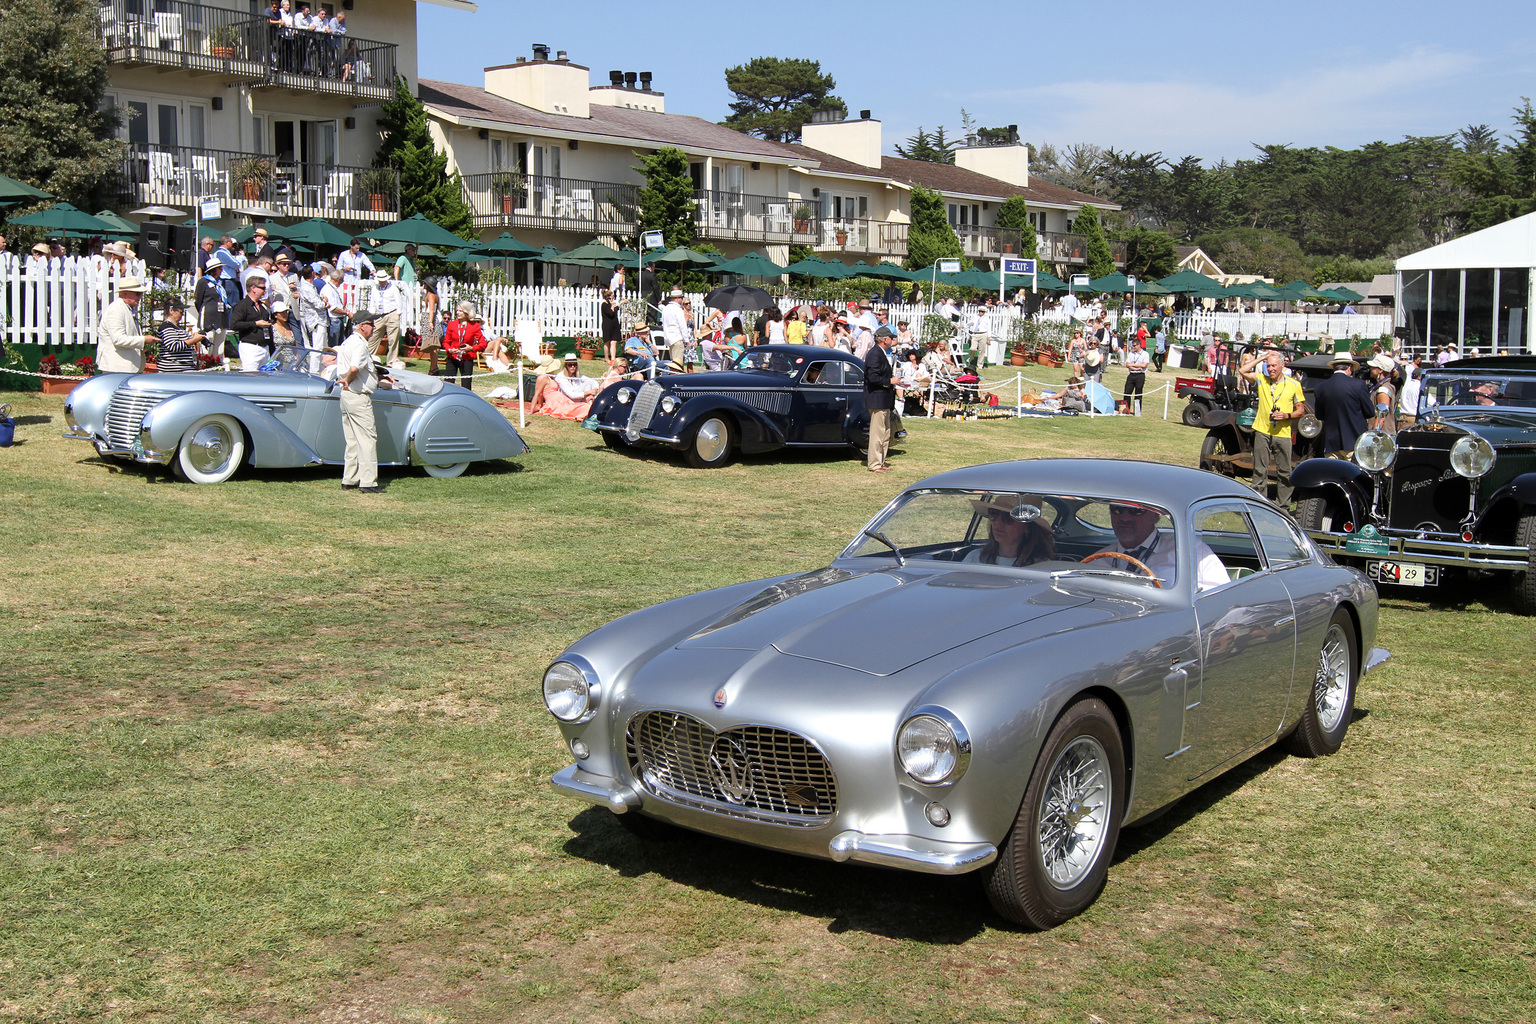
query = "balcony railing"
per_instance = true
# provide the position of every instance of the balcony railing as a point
(199, 37)
(1057, 247)
(862, 236)
(509, 199)
(737, 216)
(179, 175)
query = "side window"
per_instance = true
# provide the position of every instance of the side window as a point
(1223, 530)
(853, 376)
(1277, 537)
(824, 373)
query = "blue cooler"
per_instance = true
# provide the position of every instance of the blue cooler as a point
(7, 427)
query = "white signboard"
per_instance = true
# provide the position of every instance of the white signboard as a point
(652, 240)
(209, 209)
(1080, 280)
(1018, 266)
(949, 266)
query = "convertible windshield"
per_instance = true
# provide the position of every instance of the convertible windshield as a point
(781, 363)
(1044, 532)
(1477, 390)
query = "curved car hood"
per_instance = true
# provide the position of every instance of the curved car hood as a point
(880, 622)
(1496, 426)
(283, 383)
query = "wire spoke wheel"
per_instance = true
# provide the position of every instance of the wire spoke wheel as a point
(1330, 692)
(1074, 813)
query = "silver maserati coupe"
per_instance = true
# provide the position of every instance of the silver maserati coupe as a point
(206, 425)
(1006, 665)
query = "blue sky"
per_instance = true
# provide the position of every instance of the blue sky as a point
(1198, 77)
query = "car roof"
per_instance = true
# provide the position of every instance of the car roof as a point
(1153, 482)
(1489, 364)
(809, 351)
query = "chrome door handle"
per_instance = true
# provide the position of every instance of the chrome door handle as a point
(1285, 621)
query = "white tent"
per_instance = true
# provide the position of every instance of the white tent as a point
(1472, 293)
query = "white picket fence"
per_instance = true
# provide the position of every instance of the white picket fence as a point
(60, 304)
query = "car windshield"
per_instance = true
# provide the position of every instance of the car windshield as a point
(1477, 390)
(1027, 531)
(779, 362)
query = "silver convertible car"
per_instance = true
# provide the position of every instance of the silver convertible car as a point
(1007, 664)
(205, 425)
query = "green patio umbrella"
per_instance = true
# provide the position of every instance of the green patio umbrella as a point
(593, 254)
(815, 266)
(14, 191)
(1343, 294)
(123, 227)
(504, 246)
(318, 232)
(1046, 282)
(1188, 281)
(416, 228)
(65, 219)
(549, 254)
(751, 265)
(471, 254)
(885, 268)
(398, 248)
(1299, 291)
(1151, 288)
(683, 256)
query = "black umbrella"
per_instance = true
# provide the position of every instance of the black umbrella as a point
(739, 296)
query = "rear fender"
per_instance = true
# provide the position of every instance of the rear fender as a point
(272, 444)
(758, 432)
(455, 428)
(1219, 418)
(1197, 393)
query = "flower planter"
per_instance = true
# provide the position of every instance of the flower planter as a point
(1018, 359)
(842, 238)
(506, 204)
(250, 190)
(223, 52)
(1046, 359)
(1008, 248)
(802, 227)
(587, 353)
(58, 385)
(376, 202)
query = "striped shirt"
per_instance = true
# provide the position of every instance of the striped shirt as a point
(177, 354)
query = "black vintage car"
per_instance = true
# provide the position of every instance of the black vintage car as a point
(775, 396)
(1454, 492)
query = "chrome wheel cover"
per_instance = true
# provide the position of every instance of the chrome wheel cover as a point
(710, 441)
(209, 449)
(1331, 689)
(1074, 812)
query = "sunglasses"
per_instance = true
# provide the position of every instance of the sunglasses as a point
(1130, 510)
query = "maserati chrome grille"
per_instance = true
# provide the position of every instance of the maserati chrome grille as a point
(751, 771)
(642, 411)
(126, 414)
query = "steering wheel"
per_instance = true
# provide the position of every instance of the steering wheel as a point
(1138, 563)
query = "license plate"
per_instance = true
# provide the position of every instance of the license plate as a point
(1404, 574)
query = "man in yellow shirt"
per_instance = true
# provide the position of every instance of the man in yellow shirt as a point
(1280, 402)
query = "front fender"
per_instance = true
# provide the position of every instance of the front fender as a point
(85, 407)
(1523, 488)
(758, 432)
(1338, 476)
(1219, 418)
(455, 428)
(273, 446)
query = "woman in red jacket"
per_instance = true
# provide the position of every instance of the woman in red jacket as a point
(463, 340)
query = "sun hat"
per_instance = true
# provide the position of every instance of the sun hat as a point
(676, 293)
(570, 357)
(130, 284)
(41, 248)
(279, 305)
(381, 276)
(1010, 503)
(1342, 359)
(212, 264)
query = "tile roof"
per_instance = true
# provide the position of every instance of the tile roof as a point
(951, 179)
(623, 124)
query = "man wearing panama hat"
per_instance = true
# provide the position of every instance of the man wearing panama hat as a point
(119, 342)
(1343, 404)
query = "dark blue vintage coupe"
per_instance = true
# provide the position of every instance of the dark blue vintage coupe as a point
(775, 396)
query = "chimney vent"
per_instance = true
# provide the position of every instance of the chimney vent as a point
(645, 81)
(560, 56)
(863, 115)
(629, 79)
(616, 78)
(541, 51)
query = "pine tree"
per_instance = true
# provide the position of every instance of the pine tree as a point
(666, 200)
(426, 187)
(1100, 260)
(930, 237)
(54, 133)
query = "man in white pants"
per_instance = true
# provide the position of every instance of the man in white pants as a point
(358, 380)
(385, 305)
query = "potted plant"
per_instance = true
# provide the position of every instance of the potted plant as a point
(586, 347)
(842, 234)
(252, 174)
(802, 217)
(376, 183)
(508, 188)
(223, 41)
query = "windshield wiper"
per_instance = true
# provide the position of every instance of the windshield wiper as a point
(901, 562)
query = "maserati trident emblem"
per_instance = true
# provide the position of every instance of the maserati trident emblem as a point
(731, 768)
(720, 697)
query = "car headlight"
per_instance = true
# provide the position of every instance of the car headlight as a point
(1472, 457)
(570, 690)
(933, 747)
(626, 395)
(1375, 450)
(669, 404)
(1309, 426)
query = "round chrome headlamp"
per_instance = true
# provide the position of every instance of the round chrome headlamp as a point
(1309, 425)
(568, 691)
(1472, 457)
(933, 747)
(669, 404)
(625, 395)
(1375, 450)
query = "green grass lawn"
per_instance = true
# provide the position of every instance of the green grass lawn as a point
(274, 752)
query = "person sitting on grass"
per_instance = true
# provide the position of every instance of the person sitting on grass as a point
(567, 395)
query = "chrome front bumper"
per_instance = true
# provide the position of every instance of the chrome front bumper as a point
(1452, 553)
(1375, 658)
(909, 853)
